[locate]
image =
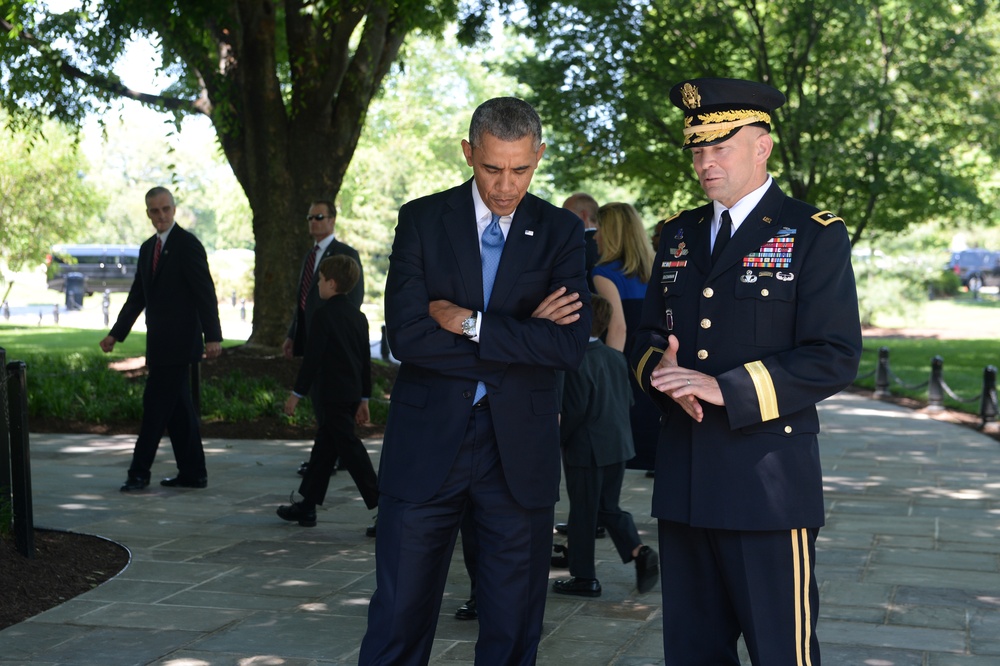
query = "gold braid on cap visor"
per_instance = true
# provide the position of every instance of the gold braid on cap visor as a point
(713, 126)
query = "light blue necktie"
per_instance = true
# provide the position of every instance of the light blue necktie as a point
(492, 249)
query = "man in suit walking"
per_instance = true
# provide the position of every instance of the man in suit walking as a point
(174, 286)
(751, 319)
(321, 218)
(486, 298)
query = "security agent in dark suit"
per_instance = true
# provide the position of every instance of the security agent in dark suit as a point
(174, 286)
(322, 217)
(736, 351)
(445, 450)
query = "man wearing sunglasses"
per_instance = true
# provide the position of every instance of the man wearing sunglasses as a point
(321, 218)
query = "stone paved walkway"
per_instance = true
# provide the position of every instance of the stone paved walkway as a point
(909, 562)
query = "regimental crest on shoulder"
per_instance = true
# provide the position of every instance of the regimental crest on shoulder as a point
(690, 96)
(825, 218)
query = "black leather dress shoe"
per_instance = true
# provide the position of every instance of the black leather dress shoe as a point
(563, 528)
(296, 512)
(467, 611)
(184, 482)
(134, 483)
(561, 558)
(581, 587)
(647, 569)
(370, 530)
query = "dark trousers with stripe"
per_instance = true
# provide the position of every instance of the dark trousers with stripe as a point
(719, 584)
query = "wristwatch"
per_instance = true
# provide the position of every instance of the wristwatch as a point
(469, 325)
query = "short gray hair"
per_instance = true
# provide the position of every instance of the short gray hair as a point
(506, 118)
(157, 191)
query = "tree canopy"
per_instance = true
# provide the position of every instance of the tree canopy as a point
(287, 85)
(892, 112)
(44, 196)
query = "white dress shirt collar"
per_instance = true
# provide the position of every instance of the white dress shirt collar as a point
(484, 215)
(741, 209)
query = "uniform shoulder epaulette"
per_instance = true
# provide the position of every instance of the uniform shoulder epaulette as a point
(671, 218)
(825, 218)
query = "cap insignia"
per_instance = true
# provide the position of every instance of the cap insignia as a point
(690, 96)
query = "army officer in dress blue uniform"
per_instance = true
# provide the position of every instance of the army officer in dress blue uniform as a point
(736, 351)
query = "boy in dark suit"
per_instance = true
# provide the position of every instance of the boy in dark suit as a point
(336, 374)
(596, 443)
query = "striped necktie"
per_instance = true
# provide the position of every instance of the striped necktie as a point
(307, 277)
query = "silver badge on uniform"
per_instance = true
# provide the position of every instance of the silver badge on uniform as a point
(748, 278)
(785, 277)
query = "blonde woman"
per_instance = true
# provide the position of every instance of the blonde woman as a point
(623, 268)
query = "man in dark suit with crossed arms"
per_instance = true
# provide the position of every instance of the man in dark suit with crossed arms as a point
(446, 449)
(174, 286)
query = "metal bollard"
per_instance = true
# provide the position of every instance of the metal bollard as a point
(20, 460)
(988, 402)
(234, 298)
(243, 309)
(882, 374)
(55, 314)
(383, 345)
(935, 387)
(6, 311)
(106, 306)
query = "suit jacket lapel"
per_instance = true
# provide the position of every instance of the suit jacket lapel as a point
(523, 232)
(459, 227)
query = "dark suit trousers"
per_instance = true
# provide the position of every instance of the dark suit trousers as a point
(167, 405)
(717, 584)
(414, 549)
(593, 500)
(335, 438)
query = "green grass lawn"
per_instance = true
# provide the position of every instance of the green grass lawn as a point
(22, 341)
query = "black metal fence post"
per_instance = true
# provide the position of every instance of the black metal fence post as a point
(20, 459)
(935, 388)
(5, 471)
(988, 402)
(882, 373)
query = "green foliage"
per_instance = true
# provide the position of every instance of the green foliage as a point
(910, 365)
(80, 387)
(890, 119)
(944, 283)
(286, 84)
(44, 196)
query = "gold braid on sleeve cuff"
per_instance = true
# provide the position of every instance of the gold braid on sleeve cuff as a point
(640, 368)
(766, 397)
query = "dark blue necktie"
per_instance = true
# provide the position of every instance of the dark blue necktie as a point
(492, 249)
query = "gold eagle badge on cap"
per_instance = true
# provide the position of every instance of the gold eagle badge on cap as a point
(690, 96)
